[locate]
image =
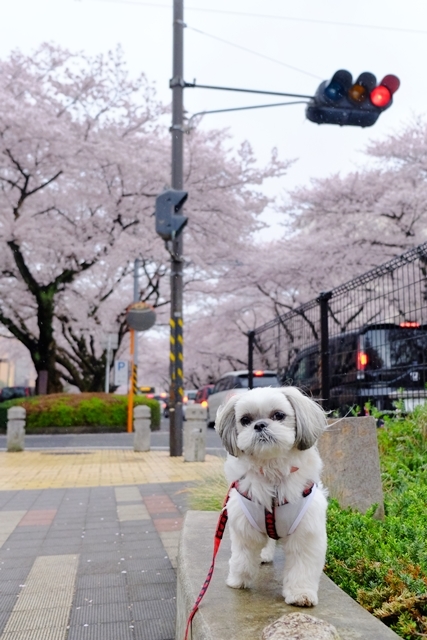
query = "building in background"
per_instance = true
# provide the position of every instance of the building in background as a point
(16, 366)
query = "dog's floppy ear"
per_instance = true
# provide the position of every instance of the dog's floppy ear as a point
(309, 417)
(225, 425)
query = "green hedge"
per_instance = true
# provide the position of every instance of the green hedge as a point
(102, 411)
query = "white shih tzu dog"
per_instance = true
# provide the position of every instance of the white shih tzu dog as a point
(270, 435)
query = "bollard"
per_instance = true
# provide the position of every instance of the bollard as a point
(141, 426)
(15, 428)
(195, 433)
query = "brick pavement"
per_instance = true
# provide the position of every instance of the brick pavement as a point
(88, 543)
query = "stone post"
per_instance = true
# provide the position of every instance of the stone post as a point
(15, 428)
(351, 463)
(195, 433)
(141, 425)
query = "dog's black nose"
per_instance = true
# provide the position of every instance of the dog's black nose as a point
(259, 426)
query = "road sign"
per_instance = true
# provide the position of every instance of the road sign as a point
(110, 341)
(121, 373)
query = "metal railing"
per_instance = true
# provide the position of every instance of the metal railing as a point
(360, 345)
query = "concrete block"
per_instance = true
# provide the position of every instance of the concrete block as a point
(195, 433)
(15, 432)
(141, 426)
(239, 614)
(349, 450)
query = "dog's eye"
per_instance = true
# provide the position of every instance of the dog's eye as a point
(278, 415)
(245, 421)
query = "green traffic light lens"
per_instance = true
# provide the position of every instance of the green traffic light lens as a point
(334, 91)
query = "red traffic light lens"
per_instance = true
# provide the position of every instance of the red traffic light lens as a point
(380, 96)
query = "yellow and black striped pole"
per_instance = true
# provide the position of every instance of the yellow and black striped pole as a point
(177, 385)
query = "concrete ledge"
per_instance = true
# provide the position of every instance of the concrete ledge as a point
(231, 614)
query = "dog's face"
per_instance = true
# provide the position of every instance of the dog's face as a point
(268, 422)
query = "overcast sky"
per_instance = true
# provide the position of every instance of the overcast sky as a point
(274, 45)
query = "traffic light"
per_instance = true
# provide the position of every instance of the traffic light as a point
(344, 102)
(169, 223)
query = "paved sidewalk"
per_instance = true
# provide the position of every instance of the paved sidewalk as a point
(88, 543)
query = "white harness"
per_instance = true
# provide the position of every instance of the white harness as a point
(282, 520)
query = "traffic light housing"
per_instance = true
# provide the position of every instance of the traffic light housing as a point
(345, 102)
(169, 222)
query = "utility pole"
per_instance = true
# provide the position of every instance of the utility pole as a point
(176, 318)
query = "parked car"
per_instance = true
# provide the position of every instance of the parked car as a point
(203, 394)
(378, 364)
(9, 393)
(235, 382)
(190, 396)
(163, 399)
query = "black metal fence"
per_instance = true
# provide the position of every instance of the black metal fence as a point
(358, 346)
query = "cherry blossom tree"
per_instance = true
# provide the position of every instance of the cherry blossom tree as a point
(84, 150)
(340, 227)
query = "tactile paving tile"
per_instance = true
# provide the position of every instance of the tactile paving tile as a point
(35, 634)
(36, 618)
(30, 600)
(51, 577)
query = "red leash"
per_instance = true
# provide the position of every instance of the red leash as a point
(220, 528)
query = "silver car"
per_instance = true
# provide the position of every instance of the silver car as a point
(235, 382)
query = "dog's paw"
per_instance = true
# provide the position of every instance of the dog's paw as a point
(267, 554)
(236, 582)
(300, 598)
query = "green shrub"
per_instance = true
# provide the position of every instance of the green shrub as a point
(383, 564)
(60, 410)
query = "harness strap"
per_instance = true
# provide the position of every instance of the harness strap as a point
(270, 525)
(308, 493)
(220, 528)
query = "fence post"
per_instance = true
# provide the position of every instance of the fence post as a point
(251, 341)
(323, 299)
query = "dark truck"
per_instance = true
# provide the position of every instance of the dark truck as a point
(381, 364)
